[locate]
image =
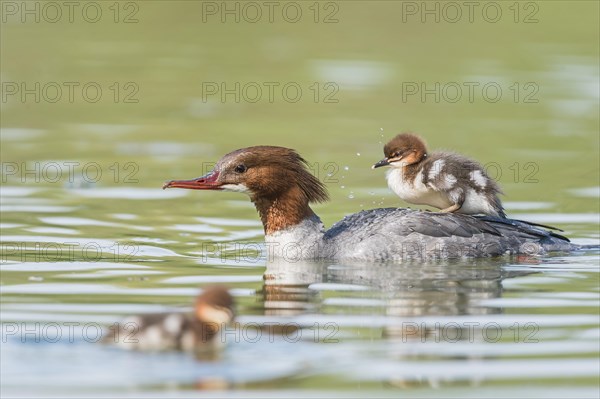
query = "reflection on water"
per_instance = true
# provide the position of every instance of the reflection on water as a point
(403, 326)
(421, 312)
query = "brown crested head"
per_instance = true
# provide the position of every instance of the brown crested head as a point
(277, 180)
(270, 172)
(266, 172)
(405, 148)
(215, 305)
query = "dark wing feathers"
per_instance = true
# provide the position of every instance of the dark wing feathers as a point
(401, 222)
(523, 227)
(447, 225)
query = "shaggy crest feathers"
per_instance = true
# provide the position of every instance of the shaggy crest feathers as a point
(278, 167)
(403, 142)
(313, 189)
(278, 181)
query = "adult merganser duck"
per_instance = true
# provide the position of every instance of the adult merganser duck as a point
(177, 331)
(447, 181)
(281, 187)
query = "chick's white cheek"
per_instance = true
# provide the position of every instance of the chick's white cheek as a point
(398, 164)
(237, 188)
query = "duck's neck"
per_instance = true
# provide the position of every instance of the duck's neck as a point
(410, 171)
(282, 212)
(290, 225)
(404, 181)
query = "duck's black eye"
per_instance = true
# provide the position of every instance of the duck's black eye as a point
(241, 168)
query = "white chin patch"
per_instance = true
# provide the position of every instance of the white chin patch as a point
(237, 188)
(398, 164)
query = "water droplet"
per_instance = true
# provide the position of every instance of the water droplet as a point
(381, 129)
(342, 187)
(329, 174)
(35, 278)
(351, 196)
(358, 154)
(346, 168)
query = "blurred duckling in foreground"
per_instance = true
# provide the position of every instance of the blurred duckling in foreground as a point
(444, 180)
(195, 331)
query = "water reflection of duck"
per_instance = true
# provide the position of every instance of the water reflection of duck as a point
(194, 331)
(441, 288)
(403, 305)
(281, 187)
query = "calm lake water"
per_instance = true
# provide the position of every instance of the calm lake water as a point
(98, 110)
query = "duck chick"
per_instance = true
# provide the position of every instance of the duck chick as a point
(193, 331)
(444, 180)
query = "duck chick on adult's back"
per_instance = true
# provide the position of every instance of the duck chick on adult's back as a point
(447, 181)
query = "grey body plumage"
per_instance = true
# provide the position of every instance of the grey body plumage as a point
(398, 233)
